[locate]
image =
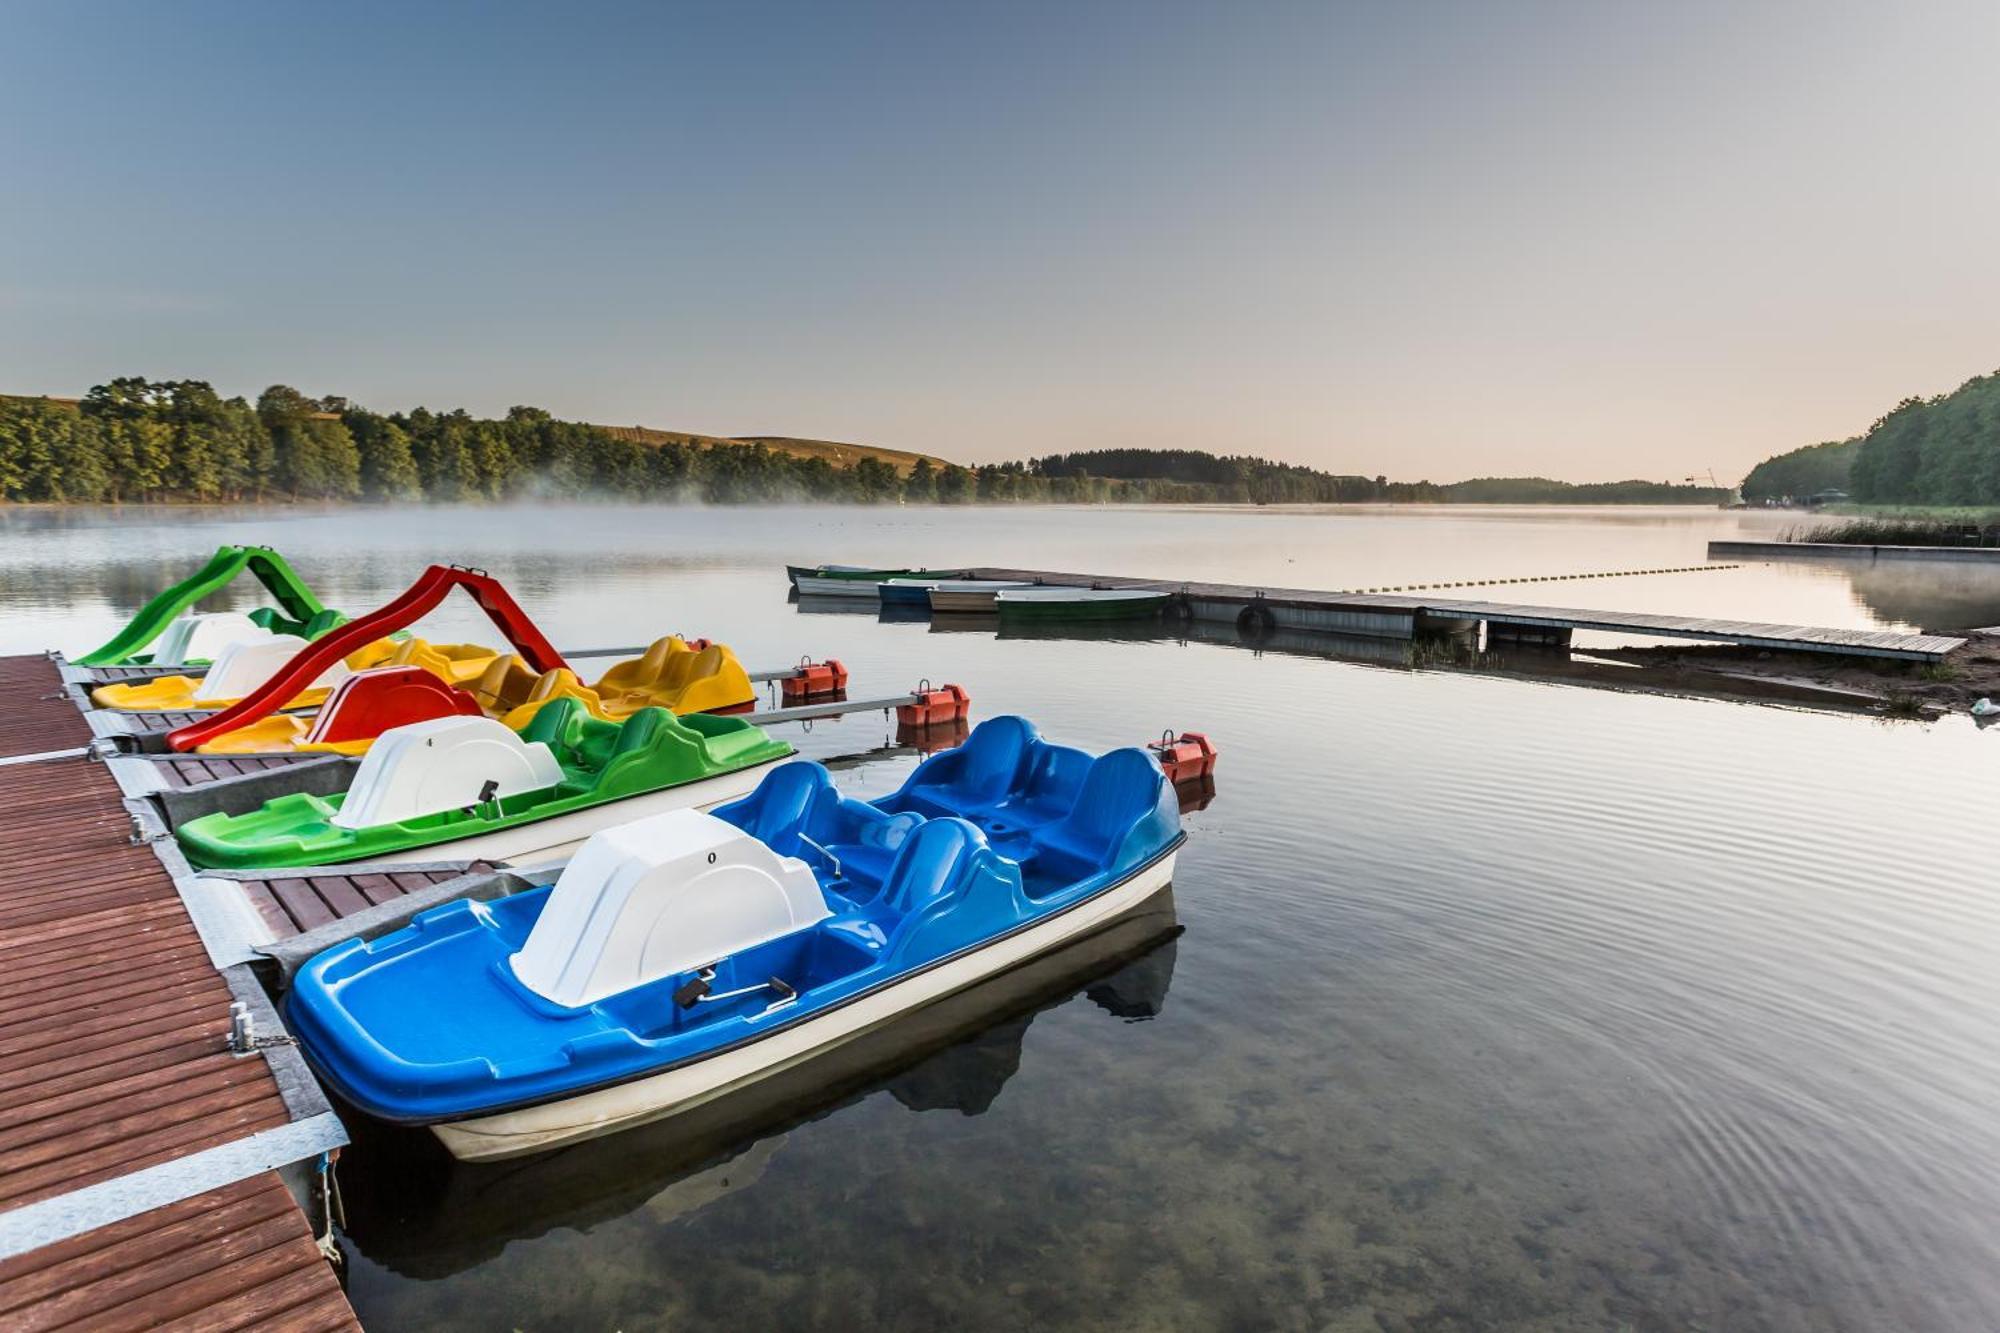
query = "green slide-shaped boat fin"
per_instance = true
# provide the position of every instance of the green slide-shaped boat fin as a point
(600, 761)
(296, 611)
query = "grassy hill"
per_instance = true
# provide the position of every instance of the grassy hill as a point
(839, 454)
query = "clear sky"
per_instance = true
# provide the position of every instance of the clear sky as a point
(1424, 239)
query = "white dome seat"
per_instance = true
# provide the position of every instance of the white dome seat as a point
(202, 636)
(445, 763)
(659, 897)
(247, 663)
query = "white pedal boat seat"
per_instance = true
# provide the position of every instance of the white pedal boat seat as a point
(203, 636)
(445, 763)
(657, 897)
(250, 661)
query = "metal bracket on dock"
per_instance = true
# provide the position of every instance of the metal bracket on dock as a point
(141, 836)
(243, 1038)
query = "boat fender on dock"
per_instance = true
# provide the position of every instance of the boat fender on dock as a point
(812, 680)
(1256, 620)
(1186, 757)
(928, 707)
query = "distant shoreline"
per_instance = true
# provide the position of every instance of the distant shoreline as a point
(134, 440)
(695, 501)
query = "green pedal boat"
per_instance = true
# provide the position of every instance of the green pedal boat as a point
(467, 787)
(298, 612)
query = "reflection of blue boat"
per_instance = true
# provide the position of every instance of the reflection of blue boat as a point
(685, 956)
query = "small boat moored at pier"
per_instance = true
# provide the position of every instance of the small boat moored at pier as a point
(854, 588)
(1051, 603)
(970, 596)
(797, 572)
(907, 592)
(687, 956)
(467, 786)
(239, 669)
(818, 576)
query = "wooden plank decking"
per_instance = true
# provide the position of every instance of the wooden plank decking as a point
(196, 769)
(295, 904)
(238, 1257)
(114, 1066)
(39, 715)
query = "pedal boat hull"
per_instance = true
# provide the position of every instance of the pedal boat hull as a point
(655, 1097)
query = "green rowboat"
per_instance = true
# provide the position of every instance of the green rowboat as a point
(1018, 605)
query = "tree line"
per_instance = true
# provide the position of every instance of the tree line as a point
(1802, 473)
(1943, 450)
(134, 440)
(1939, 451)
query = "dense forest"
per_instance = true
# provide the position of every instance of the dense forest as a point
(1939, 451)
(1929, 451)
(1802, 473)
(134, 440)
(1542, 491)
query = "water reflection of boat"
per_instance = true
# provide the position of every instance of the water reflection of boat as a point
(1094, 631)
(903, 613)
(1195, 794)
(808, 605)
(417, 1211)
(965, 623)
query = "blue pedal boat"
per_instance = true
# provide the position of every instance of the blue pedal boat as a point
(687, 955)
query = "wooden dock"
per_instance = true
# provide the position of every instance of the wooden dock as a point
(140, 1160)
(1405, 615)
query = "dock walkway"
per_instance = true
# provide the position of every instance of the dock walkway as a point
(1404, 615)
(137, 1154)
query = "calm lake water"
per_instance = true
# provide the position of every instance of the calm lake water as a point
(1494, 1003)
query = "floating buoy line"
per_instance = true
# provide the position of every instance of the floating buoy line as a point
(1539, 578)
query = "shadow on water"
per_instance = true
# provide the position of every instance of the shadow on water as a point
(415, 1210)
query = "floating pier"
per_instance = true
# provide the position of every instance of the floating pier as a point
(143, 1164)
(1406, 615)
(1975, 555)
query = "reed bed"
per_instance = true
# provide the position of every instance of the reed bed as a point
(1899, 532)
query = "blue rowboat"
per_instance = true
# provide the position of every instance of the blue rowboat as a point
(687, 956)
(907, 592)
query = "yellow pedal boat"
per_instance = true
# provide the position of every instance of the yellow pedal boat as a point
(671, 674)
(457, 664)
(238, 669)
